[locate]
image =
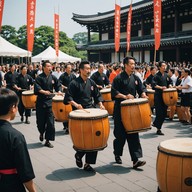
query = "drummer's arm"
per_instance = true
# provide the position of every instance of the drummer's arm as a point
(122, 96)
(76, 105)
(44, 92)
(160, 87)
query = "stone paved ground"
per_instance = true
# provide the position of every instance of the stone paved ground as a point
(56, 171)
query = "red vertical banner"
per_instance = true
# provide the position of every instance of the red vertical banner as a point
(31, 7)
(129, 19)
(1, 12)
(117, 26)
(157, 22)
(56, 33)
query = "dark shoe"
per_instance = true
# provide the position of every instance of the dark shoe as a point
(118, 159)
(89, 168)
(27, 122)
(22, 118)
(41, 137)
(79, 162)
(138, 164)
(159, 132)
(48, 144)
(186, 123)
(66, 131)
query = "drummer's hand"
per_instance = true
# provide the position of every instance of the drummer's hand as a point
(79, 106)
(179, 87)
(59, 93)
(143, 95)
(101, 106)
(99, 87)
(129, 96)
(18, 88)
(163, 87)
(47, 93)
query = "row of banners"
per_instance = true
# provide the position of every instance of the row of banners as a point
(157, 25)
(31, 10)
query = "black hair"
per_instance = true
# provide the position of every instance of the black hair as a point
(44, 63)
(187, 71)
(126, 59)
(161, 62)
(81, 65)
(8, 99)
(22, 66)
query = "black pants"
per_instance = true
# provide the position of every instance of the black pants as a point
(22, 110)
(10, 183)
(160, 110)
(121, 137)
(90, 157)
(45, 121)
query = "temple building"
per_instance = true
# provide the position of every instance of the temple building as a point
(176, 33)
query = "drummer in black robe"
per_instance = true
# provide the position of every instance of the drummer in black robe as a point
(65, 79)
(45, 84)
(160, 82)
(126, 86)
(23, 82)
(80, 94)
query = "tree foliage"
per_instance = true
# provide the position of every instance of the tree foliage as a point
(44, 37)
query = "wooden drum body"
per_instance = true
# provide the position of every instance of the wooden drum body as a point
(29, 99)
(108, 103)
(136, 115)
(170, 96)
(174, 165)
(60, 110)
(106, 94)
(179, 111)
(150, 94)
(89, 130)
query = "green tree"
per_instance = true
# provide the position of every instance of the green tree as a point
(9, 33)
(21, 37)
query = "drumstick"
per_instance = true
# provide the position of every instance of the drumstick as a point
(86, 111)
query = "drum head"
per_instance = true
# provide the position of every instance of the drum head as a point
(180, 146)
(134, 101)
(91, 113)
(105, 90)
(58, 98)
(28, 92)
(150, 91)
(169, 90)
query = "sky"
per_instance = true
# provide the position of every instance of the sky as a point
(15, 12)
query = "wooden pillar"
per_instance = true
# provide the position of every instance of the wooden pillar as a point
(100, 33)
(177, 54)
(89, 34)
(142, 26)
(176, 22)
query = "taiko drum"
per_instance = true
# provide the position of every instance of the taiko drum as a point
(29, 99)
(60, 110)
(108, 103)
(136, 115)
(170, 96)
(89, 129)
(174, 165)
(150, 94)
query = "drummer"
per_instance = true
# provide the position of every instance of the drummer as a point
(23, 82)
(43, 88)
(160, 82)
(125, 86)
(100, 77)
(80, 94)
(65, 79)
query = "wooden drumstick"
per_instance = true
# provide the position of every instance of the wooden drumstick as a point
(86, 111)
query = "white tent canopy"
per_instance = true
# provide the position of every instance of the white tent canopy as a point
(7, 49)
(50, 54)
